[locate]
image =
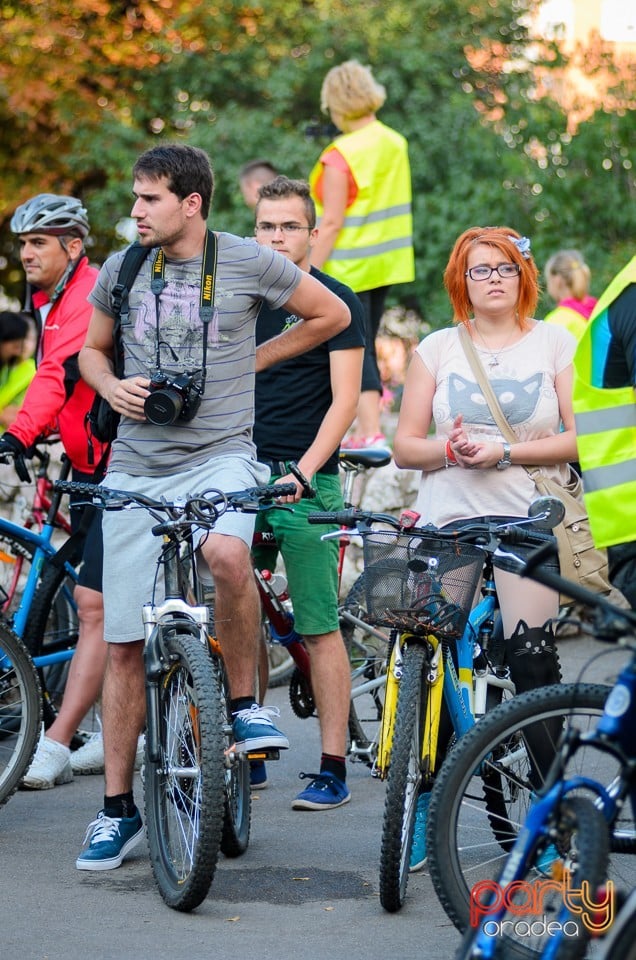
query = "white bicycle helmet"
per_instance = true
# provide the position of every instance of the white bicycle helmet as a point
(48, 213)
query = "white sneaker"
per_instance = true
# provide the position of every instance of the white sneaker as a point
(50, 765)
(90, 758)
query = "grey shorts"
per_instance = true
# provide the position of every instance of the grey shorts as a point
(131, 577)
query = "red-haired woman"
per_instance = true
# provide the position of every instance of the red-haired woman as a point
(468, 468)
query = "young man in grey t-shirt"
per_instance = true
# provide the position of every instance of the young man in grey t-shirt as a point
(173, 187)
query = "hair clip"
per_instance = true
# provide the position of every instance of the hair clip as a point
(523, 246)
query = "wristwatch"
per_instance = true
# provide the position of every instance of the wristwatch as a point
(505, 461)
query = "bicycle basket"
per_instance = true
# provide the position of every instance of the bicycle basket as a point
(420, 583)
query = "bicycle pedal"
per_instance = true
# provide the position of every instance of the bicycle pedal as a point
(271, 753)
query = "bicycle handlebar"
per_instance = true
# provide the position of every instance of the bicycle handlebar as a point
(611, 621)
(204, 506)
(351, 517)
(483, 533)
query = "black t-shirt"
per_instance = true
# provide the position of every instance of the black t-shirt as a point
(292, 397)
(620, 365)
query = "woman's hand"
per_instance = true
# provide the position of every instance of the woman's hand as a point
(471, 455)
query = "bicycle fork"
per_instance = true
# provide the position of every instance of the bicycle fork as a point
(174, 613)
(434, 681)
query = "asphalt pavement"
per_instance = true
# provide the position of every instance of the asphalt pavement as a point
(307, 887)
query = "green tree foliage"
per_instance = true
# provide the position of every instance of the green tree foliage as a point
(85, 86)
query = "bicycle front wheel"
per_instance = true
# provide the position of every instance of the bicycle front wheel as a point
(485, 787)
(579, 833)
(404, 778)
(184, 790)
(53, 628)
(20, 712)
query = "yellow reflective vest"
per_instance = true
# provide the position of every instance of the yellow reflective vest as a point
(374, 248)
(606, 428)
(569, 318)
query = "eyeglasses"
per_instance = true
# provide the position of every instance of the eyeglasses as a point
(505, 270)
(269, 228)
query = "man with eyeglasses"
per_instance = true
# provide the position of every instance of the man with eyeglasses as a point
(303, 410)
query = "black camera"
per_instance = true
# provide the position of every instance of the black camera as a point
(172, 398)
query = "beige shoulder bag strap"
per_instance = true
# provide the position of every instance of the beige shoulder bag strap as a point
(489, 394)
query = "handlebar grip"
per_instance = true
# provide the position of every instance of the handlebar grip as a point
(343, 518)
(76, 486)
(520, 535)
(268, 492)
(284, 489)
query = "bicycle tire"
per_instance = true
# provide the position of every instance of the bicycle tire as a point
(237, 811)
(580, 833)
(620, 943)
(404, 778)
(185, 790)
(368, 658)
(20, 711)
(52, 626)
(482, 792)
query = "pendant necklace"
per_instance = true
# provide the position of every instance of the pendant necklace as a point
(494, 354)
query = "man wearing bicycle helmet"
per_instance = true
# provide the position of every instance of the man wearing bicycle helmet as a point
(51, 231)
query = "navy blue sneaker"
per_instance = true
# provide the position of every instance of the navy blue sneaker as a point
(323, 793)
(418, 847)
(258, 774)
(110, 840)
(253, 730)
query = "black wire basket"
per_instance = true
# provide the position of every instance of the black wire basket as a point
(420, 583)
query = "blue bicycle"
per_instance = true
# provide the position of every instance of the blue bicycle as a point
(37, 578)
(531, 804)
(420, 582)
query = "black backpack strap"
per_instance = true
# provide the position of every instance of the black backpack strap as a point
(100, 410)
(130, 267)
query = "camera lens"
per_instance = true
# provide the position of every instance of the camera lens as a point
(162, 407)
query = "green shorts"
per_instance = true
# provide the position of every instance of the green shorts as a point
(311, 564)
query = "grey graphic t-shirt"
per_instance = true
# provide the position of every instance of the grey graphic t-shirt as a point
(247, 275)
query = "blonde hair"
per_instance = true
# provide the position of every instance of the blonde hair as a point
(503, 239)
(350, 91)
(572, 268)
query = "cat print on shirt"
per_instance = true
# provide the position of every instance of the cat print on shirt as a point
(517, 399)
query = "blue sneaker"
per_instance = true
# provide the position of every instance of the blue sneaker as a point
(258, 774)
(418, 847)
(323, 793)
(111, 839)
(253, 730)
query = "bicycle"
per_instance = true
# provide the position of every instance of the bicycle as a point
(544, 784)
(196, 786)
(421, 583)
(20, 711)
(36, 585)
(366, 645)
(620, 943)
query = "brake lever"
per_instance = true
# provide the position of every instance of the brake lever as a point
(308, 491)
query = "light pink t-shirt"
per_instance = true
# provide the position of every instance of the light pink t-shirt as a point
(523, 382)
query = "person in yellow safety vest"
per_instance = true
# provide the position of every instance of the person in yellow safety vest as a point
(568, 283)
(604, 403)
(361, 186)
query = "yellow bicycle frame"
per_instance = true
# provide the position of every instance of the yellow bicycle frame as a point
(435, 684)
